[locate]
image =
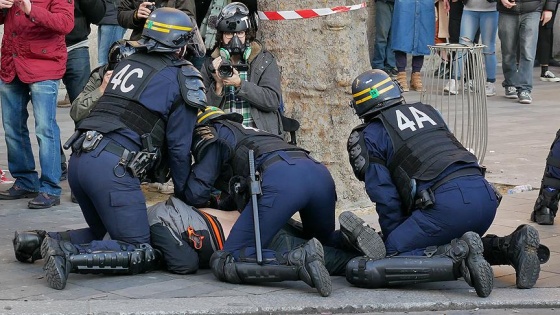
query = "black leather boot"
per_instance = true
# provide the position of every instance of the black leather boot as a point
(62, 258)
(361, 237)
(444, 263)
(546, 206)
(27, 245)
(519, 249)
(304, 263)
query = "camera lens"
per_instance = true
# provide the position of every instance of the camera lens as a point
(225, 70)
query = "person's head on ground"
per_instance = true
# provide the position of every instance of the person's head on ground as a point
(169, 30)
(372, 92)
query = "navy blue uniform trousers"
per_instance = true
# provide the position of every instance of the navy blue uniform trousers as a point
(111, 199)
(288, 186)
(461, 205)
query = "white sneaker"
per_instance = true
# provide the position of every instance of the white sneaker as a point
(549, 77)
(451, 87)
(490, 89)
(469, 86)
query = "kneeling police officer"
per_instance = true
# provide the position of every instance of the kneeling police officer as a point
(290, 181)
(431, 197)
(148, 108)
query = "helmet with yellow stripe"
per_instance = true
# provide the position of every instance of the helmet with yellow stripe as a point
(211, 113)
(373, 91)
(167, 30)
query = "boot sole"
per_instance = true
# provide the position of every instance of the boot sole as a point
(480, 271)
(56, 277)
(317, 270)
(368, 241)
(50, 247)
(529, 266)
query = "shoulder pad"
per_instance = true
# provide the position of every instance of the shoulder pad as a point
(357, 152)
(192, 87)
(203, 136)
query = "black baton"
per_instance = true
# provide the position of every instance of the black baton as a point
(255, 190)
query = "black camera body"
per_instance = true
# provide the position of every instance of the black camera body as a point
(151, 7)
(226, 68)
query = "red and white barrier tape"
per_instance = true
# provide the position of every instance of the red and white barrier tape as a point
(308, 13)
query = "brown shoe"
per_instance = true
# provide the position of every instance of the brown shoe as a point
(64, 103)
(401, 78)
(416, 82)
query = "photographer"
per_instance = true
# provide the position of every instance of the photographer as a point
(249, 83)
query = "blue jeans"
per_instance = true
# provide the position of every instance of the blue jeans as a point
(518, 33)
(107, 34)
(14, 97)
(487, 23)
(383, 56)
(77, 72)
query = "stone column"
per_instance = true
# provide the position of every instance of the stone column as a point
(319, 58)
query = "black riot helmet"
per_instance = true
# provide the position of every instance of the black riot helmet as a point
(118, 51)
(234, 17)
(169, 30)
(373, 91)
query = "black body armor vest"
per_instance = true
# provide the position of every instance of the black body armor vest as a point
(423, 148)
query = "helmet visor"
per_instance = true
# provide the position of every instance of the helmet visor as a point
(232, 9)
(195, 44)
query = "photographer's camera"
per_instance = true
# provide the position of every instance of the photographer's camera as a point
(225, 70)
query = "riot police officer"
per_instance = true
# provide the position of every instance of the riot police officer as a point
(146, 115)
(546, 205)
(429, 191)
(291, 181)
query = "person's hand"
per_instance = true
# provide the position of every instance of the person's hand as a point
(6, 4)
(215, 65)
(508, 4)
(546, 16)
(143, 12)
(234, 80)
(105, 81)
(24, 5)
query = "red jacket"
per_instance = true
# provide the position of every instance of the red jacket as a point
(33, 46)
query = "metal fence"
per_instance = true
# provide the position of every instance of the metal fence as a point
(454, 83)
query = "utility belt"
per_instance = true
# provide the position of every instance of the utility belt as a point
(425, 198)
(138, 163)
(277, 158)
